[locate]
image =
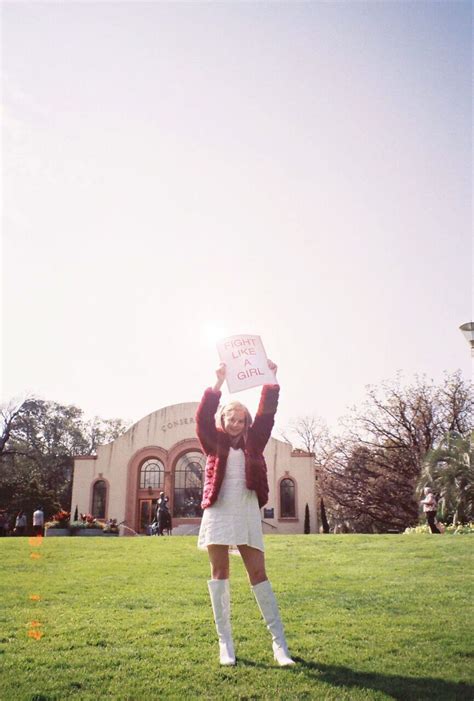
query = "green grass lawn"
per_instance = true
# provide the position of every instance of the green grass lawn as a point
(367, 617)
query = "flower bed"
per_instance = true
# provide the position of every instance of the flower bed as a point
(59, 522)
(86, 525)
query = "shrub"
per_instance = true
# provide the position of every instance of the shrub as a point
(59, 520)
(89, 521)
(306, 520)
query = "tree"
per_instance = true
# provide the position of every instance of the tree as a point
(38, 453)
(324, 518)
(412, 419)
(312, 434)
(101, 431)
(8, 413)
(449, 471)
(374, 467)
(370, 490)
(307, 527)
(367, 475)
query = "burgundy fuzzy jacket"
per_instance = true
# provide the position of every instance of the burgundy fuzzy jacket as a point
(216, 444)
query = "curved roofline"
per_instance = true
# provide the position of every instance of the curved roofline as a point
(194, 405)
(169, 406)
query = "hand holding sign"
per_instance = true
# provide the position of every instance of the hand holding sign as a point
(220, 375)
(273, 367)
(246, 363)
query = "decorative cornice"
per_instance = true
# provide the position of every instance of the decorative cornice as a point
(298, 453)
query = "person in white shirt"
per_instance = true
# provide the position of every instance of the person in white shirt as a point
(38, 521)
(20, 523)
(429, 508)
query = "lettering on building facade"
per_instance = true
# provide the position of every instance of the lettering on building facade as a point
(175, 424)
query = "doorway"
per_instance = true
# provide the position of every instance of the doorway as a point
(147, 510)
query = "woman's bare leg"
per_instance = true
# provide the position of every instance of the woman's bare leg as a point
(219, 559)
(220, 599)
(254, 561)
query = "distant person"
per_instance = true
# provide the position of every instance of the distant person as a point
(429, 507)
(20, 523)
(235, 489)
(38, 521)
(162, 503)
(163, 516)
(3, 523)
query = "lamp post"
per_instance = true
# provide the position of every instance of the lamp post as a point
(468, 331)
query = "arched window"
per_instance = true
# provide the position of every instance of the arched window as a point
(188, 484)
(99, 496)
(287, 499)
(151, 474)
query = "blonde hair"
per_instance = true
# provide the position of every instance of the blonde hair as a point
(230, 407)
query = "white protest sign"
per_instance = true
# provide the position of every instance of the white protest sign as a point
(246, 362)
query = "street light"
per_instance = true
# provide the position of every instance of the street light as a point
(468, 331)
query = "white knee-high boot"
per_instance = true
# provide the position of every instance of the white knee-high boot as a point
(219, 592)
(268, 606)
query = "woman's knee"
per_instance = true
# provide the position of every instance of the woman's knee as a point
(219, 572)
(219, 560)
(256, 572)
(254, 564)
(257, 576)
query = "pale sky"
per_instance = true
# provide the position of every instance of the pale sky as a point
(176, 172)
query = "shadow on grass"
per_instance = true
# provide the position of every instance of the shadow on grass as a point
(252, 663)
(396, 687)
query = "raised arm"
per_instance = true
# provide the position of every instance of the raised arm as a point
(265, 416)
(205, 416)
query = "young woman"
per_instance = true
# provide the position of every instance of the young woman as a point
(235, 489)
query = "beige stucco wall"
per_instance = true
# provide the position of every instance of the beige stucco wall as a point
(281, 464)
(163, 429)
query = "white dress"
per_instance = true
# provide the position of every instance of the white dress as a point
(234, 518)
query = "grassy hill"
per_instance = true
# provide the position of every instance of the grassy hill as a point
(367, 617)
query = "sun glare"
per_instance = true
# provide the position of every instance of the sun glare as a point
(212, 332)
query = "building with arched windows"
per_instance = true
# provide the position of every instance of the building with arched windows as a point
(161, 453)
